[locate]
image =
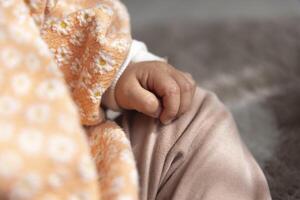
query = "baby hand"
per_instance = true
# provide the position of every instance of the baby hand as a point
(155, 89)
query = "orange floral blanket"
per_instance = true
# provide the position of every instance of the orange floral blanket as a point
(57, 58)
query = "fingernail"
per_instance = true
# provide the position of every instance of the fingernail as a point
(157, 113)
(167, 122)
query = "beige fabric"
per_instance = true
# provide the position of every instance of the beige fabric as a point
(200, 156)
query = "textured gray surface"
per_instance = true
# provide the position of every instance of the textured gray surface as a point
(248, 52)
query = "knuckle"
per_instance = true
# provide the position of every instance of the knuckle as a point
(193, 82)
(189, 75)
(180, 112)
(171, 113)
(184, 108)
(149, 104)
(193, 85)
(186, 87)
(171, 90)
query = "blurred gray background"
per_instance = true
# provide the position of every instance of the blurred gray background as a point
(144, 12)
(248, 52)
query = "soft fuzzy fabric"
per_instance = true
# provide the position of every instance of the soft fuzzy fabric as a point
(44, 153)
(254, 66)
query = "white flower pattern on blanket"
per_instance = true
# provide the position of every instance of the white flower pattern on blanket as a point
(44, 151)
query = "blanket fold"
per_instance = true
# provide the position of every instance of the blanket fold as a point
(44, 152)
